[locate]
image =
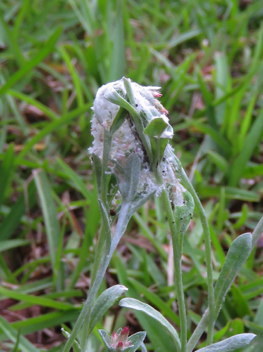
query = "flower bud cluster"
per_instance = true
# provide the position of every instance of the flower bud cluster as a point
(119, 340)
(125, 140)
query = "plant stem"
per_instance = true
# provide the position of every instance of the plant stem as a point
(176, 240)
(198, 332)
(201, 211)
(107, 138)
(85, 312)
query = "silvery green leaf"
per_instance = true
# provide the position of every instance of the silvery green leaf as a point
(97, 170)
(158, 147)
(117, 99)
(143, 348)
(118, 120)
(139, 201)
(136, 341)
(128, 87)
(183, 214)
(106, 222)
(92, 344)
(150, 311)
(156, 127)
(128, 187)
(104, 302)
(76, 346)
(118, 167)
(114, 97)
(230, 344)
(236, 256)
(105, 337)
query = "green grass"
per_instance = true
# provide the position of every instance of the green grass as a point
(208, 58)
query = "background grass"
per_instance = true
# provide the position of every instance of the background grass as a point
(207, 56)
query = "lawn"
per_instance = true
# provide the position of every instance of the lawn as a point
(207, 57)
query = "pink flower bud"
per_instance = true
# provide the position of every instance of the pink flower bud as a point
(156, 94)
(125, 331)
(160, 108)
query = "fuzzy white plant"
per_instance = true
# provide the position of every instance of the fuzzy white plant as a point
(131, 134)
(126, 139)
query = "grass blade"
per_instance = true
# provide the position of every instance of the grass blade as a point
(117, 69)
(250, 143)
(33, 62)
(145, 308)
(12, 334)
(51, 223)
(51, 128)
(6, 171)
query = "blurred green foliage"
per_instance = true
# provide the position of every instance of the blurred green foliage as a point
(207, 55)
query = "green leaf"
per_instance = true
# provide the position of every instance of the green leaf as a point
(76, 346)
(156, 127)
(230, 344)
(239, 302)
(136, 340)
(183, 214)
(217, 137)
(118, 60)
(49, 128)
(105, 338)
(156, 300)
(47, 111)
(51, 223)
(6, 171)
(103, 303)
(97, 167)
(218, 160)
(5, 245)
(145, 308)
(236, 256)
(128, 186)
(42, 301)
(138, 203)
(153, 327)
(251, 141)
(26, 201)
(33, 62)
(117, 99)
(75, 178)
(43, 321)
(221, 83)
(181, 38)
(106, 223)
(12, 42)
(12, 335)
(158, 146)
(230, 193)
(75, 79)
(118, 120)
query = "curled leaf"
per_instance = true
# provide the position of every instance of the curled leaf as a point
(230, 344)
(150, 311)
(104, 302)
